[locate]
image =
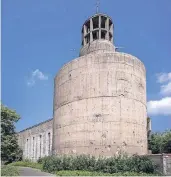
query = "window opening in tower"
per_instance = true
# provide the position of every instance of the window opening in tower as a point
(95, 22)
(95, 35)
(103, 21)
(103, 34)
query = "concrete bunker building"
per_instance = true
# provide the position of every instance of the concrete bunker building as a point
(99, 101)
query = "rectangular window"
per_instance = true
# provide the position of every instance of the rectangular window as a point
(27, 148)
(103, 34)
(87, 38)
(33, 147)
(40, 145)
(95, 22)
(110, 37)
(95, 35)
(110, 25)
(49, 143)
(103, 21)
(87, 27)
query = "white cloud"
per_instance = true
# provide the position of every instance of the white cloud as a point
(160, 107)
(163, 77)
(165, 80)
(30, 82)
(36, 75)
(165, 89)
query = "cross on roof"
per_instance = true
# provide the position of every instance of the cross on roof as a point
(97, 6)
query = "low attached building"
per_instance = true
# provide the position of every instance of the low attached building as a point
(36, 141)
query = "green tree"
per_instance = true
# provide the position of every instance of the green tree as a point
(160, 142)
(167, 141)
(10, 150)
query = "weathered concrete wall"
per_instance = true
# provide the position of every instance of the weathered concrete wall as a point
(163, 162)
(36, 141)
(158, 160)
(167, 164)
(97, 45)
(100, 105)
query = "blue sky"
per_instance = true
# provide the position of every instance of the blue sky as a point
(38, 37)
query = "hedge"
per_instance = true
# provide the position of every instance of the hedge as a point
(120, 164)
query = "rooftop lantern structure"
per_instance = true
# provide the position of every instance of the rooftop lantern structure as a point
(97, 34)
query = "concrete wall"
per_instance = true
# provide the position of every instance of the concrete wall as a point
(100, 105)
(158, 160)
(97, 45)
(163, 162)
(36, 141)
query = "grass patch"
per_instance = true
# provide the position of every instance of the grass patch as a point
(88, 173)
(9, 171)
(27, 164)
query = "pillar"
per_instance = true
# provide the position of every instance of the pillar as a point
(107, 28)
(84, 34)
(99, 27)
(91, 29)
(111, 30)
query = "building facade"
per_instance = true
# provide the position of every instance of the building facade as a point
(99, 99)
(36, 141)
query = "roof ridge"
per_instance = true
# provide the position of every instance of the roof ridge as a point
(35, 125)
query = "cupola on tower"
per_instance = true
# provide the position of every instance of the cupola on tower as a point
(100, 97)
(97, 34)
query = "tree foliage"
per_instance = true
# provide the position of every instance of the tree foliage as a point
(160, 142)
(10, 150)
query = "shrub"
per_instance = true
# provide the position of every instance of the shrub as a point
(138, 164)
(90, 166)
(67, 162)
(9, 171)
(42, 159)
(141, 164)
(52, 164)
(82, 162)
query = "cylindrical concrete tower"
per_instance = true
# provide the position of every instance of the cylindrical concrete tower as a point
(100, 98)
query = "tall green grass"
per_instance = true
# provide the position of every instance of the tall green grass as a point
(27, 164)
(7, 170)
